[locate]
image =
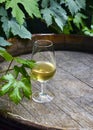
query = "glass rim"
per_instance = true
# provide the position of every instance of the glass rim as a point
(41, 43)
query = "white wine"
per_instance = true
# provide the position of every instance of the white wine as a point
(43, 71)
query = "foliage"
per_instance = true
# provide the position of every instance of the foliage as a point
(88, 31)
(5, 54)
(54, 13)
(18, 83)
(68, 16)
(30, 6)
(63, 14)
(13, 15)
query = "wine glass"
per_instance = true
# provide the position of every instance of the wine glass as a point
(44, 69)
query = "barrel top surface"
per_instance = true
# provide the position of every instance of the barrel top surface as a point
(72, 106)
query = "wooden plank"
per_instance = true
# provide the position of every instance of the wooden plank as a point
(71, 88)
(79, 90)
(50, 115)
(72, 107)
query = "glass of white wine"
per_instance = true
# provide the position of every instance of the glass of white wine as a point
(45, 67)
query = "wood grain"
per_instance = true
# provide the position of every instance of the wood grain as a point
(72, 106)
(61, 42)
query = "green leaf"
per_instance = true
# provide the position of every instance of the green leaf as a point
(16, 11)
(11, 26)
(78, 20)
(28, 63)
(21, 31)
(18, 14)
(8, 85)
(5, 21)
(47, 15)
(75, 5)
(15, 95)
(18, 85)
(4, 11)
(81, 3)
(67, 28)
(22, 70)
(3, 42)
(26, 88)
(5, 54)
(92, 27)
(19, 89)
(88, 31)
(54, 13)
(16, 89)
(44, 3)
(6, 26)
(1, 1)
(15, 28)
(31, 7)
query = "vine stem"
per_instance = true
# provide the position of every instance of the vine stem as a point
(3, 71)
(9, 66)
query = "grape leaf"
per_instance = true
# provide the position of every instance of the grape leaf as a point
(4, 12)
(47, 15)
(15, 28)
(81, 3)
(75, 5)
(1, 1)
(31, 7)
(54, 13)
(16, 11)
(78, 20)
(44, 3)
(19, 30)
(12, 26)
(18, 84)
(3, 42)
(72, 6)
(5, 54)
(6, 26)
(16, 89)
(88, 31)
(5, 21)
(26, 62)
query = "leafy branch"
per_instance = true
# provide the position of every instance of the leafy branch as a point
(30, 6)
(64, 16)
(17, 84)
(13, 15)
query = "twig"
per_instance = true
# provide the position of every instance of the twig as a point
(9, 66)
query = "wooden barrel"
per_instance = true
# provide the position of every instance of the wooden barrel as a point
(72, 85)
(61, 42)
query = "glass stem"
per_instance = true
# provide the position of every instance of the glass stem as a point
(43, 86)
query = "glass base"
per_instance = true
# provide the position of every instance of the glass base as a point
(42, 98)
